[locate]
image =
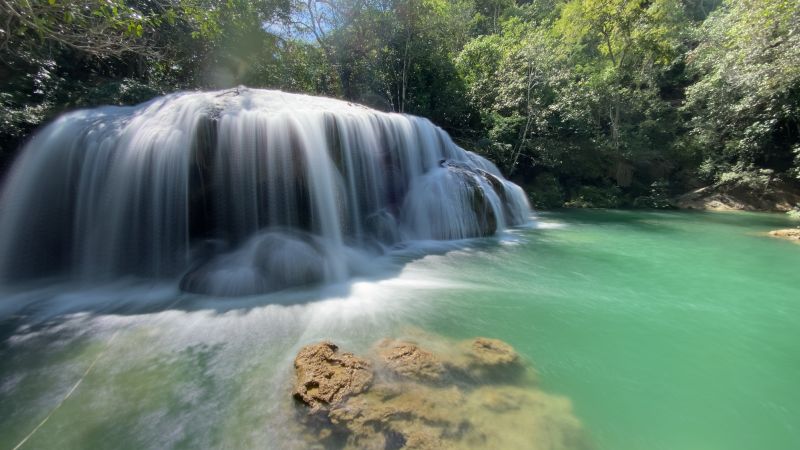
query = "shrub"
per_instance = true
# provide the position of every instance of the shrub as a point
(595, 197)
(657, 198)
(546, 192)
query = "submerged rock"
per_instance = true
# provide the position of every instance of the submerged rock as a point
(422, 401)
(406, 415)
(487, 360)
(492, 352)
(409, 360)
(788, 233)
(325, 377)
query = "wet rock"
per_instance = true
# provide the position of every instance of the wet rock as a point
(409, 360)
(492, 352)
(486, 220)
(789, 233)
(407, 416)
(259, 266)
(487, 360)
(511, 417)
(383, 226)
(496, 183)
(424, 407)
(324, 376)
(418, 416)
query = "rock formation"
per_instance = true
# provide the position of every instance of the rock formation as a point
(792, 234)
(325, 376)
(409, 360)
(409, 397)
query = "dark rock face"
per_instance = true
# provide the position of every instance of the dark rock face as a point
(417, 399)
(325, 376)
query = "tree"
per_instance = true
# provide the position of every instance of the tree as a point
(61, 54)
(744, 108)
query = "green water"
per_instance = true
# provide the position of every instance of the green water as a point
(674, 331)
(667, 330)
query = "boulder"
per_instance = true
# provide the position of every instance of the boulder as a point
(324, 376)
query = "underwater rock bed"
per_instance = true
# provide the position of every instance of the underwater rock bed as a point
(479, 395)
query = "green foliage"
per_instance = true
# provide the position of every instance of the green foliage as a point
(599, 103)
(750, 178)
(596, 197)
(657, 198)
(744, 109)
(624, 31)
(546, 192)
(59, 55)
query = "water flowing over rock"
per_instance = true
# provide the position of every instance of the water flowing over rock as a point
(250, 177)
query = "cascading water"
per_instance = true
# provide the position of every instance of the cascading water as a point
(241, 191)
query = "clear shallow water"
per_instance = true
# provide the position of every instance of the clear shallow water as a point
(673, 330)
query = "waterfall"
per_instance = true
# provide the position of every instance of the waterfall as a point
(240, 192)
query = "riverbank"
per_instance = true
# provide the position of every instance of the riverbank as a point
(780, 198)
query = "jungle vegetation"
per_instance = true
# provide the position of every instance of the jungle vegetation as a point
(610, 103)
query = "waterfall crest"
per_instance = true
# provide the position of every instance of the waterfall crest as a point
(241, 191)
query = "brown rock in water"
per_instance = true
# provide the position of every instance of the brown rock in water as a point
(492, 352)
(789, 233)
(480, 411)
(487, 360)
(402, 415)
(409, 360)
(417, 416)
(325, 377)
